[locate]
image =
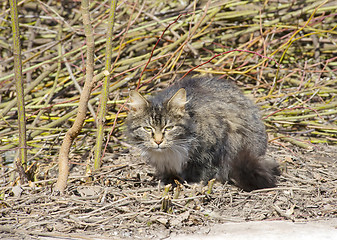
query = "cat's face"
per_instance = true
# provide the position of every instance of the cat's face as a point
(157, 126)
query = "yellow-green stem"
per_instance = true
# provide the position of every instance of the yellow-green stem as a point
(22, 160)
(105, 87)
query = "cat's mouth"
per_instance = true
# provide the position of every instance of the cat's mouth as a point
(158, 147)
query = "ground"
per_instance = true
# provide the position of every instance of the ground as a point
(125, 201)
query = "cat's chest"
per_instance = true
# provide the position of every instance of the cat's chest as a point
(168, 160)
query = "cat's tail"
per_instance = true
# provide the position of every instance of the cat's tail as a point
(250, 172)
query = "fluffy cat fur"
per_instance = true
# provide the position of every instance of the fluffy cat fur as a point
(199, 129)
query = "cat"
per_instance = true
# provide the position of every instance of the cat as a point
(202, 128)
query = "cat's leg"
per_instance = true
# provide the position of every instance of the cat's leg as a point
(169, 178)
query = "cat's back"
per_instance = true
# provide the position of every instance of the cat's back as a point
(214, 93)
(209, 95)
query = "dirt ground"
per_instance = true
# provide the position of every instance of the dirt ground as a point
(125, 201)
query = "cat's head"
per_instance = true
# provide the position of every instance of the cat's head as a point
(157, 123)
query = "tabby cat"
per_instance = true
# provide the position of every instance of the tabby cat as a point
(199, 129)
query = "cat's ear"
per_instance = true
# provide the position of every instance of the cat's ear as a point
(137, 101)
(178, 101)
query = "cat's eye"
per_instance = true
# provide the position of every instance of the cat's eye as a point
(148, 129)
(168, 128)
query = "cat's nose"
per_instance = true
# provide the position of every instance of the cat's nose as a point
(158, 141)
